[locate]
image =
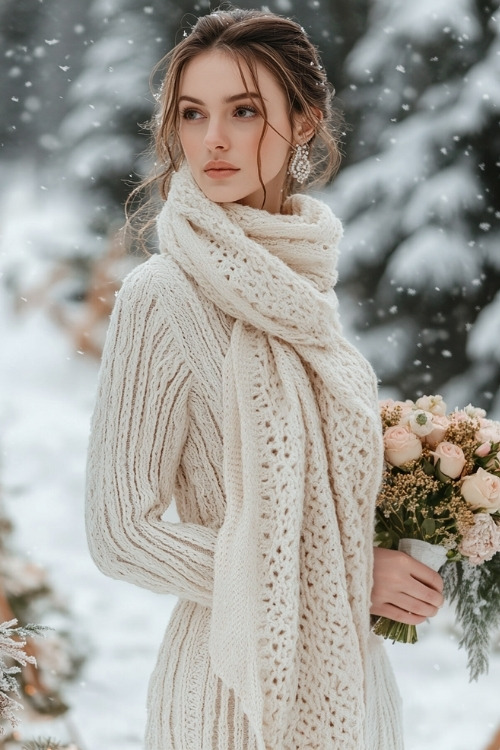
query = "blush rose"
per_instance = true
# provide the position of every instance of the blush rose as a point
(482, 491)
(483, 450)
(451, 459)
(401, 445)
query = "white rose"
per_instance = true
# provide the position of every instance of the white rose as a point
(401, 445)
(451, 459)
(474, 411)
(482, 491)
(440, 425)
(433, 404)
(419, 422)
(489, 432)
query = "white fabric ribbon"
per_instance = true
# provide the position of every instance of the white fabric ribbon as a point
(432, 555)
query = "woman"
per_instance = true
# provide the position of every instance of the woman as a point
(226, 383)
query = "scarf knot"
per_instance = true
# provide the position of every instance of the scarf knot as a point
(271, 270)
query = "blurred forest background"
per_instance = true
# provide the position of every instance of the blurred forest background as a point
(418, 191)
(419, 195)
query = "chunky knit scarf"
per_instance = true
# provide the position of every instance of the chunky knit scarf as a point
(302, 464)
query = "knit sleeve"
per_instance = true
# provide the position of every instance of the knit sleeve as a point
(138, 429)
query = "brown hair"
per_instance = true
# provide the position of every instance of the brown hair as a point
(250, 37)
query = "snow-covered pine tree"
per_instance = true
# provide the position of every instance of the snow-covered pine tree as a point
(109, 100)
(333, 25)
(70, 221)
(420, 197)
(23, 53)
(41, 44)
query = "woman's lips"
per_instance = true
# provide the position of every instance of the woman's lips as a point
(220, 173)
(219, 169)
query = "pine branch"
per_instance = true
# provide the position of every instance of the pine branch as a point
(475, 591)
(47, 744)
(12, 644)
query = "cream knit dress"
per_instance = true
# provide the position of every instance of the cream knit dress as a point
(157, 435)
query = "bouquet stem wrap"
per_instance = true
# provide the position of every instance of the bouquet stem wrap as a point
(432, 555)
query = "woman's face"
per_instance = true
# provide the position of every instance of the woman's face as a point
(220, 130)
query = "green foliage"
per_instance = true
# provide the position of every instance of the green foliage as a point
(475, 592)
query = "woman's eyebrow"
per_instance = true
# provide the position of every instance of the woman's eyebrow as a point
(234, 98)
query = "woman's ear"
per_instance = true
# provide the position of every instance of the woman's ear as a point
(304, 129)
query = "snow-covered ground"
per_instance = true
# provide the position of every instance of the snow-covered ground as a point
(46, 398)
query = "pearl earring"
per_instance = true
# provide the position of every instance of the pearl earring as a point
(300, 166)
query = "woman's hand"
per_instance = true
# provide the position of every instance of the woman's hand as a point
(404, 589)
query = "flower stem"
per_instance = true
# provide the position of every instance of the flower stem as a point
(395, 631)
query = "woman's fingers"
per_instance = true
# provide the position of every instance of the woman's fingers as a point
(420, 591)
(402, 585)
(424, 574)
(409, 603)
(399, 615)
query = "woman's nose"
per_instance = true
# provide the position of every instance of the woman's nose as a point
(215, 136)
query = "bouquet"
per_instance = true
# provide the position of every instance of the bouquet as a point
(440, 503)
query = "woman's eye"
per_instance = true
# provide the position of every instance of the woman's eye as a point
(245, 112)
(190, 114)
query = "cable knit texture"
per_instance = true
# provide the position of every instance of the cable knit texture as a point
(226, 382)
